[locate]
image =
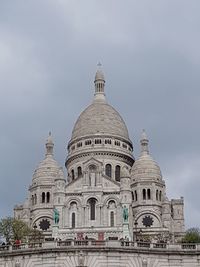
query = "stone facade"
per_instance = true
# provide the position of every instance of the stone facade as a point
(107, 194)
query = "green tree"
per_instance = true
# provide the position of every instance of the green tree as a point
(13, 229)
(6, 228)
(20, 230)
(192, 235)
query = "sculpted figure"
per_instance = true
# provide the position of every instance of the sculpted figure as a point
(56, 216)
(125, 214)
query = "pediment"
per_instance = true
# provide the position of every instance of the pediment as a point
(92, 162)
(75, 185)
(109, 183)
(104, 183)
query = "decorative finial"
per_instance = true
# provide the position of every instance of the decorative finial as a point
(49, 145)
(144, 143)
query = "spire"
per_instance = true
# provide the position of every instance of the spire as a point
(99, 84)
(49, 145)
(144, 143)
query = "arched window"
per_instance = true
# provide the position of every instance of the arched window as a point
(144, 193)
(160, 196)
(32, 199)
(156, 194)
(48, 197)
(73, 176)
(43, 197)
(148, 194)
(109, 170)
(117, 173)
(135, 195)
(79, 172)
(92, 203)
(73, 220)
(35, 199)
(112, 219)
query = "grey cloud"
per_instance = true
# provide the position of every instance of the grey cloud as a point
(150, 55)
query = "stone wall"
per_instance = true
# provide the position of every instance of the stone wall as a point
(100, 254)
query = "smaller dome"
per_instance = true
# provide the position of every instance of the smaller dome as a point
(145, 168)
(48, 169)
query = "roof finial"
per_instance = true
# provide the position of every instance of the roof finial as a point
(99, 84)
(144, 143)
(49, 145)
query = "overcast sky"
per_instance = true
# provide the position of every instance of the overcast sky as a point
(150, 51)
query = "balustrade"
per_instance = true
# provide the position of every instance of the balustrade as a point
(98, 243)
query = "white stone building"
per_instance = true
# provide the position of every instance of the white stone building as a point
(107, 193)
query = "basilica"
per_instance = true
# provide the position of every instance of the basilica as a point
(107, 194)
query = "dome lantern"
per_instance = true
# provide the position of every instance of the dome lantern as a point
(144, 143)
(99, 85)
(49, 145)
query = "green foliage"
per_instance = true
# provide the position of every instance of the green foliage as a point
(35, 236)
(192, 235)
(6, 228)
(13, 229)
(20, 230)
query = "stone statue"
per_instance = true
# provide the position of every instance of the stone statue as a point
(125, 214)
(56, 216)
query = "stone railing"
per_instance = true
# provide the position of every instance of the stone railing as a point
(101, 244)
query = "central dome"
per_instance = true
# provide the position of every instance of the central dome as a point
(100, 119)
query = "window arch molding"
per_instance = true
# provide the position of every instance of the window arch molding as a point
(73, 199)
(144, 194)
(108, 170)
(43, 196)
(73, 220)
(148, 193)
(48, 197)
(117, 173)
(92, 202)
(112, 218)
(79, 171)
(111, 204)
(111, 198)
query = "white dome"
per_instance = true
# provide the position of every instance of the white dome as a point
(48, 170)
(145, 168)
(100, 119)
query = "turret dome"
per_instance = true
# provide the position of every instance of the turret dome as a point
(145, 167)
(48, 169)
